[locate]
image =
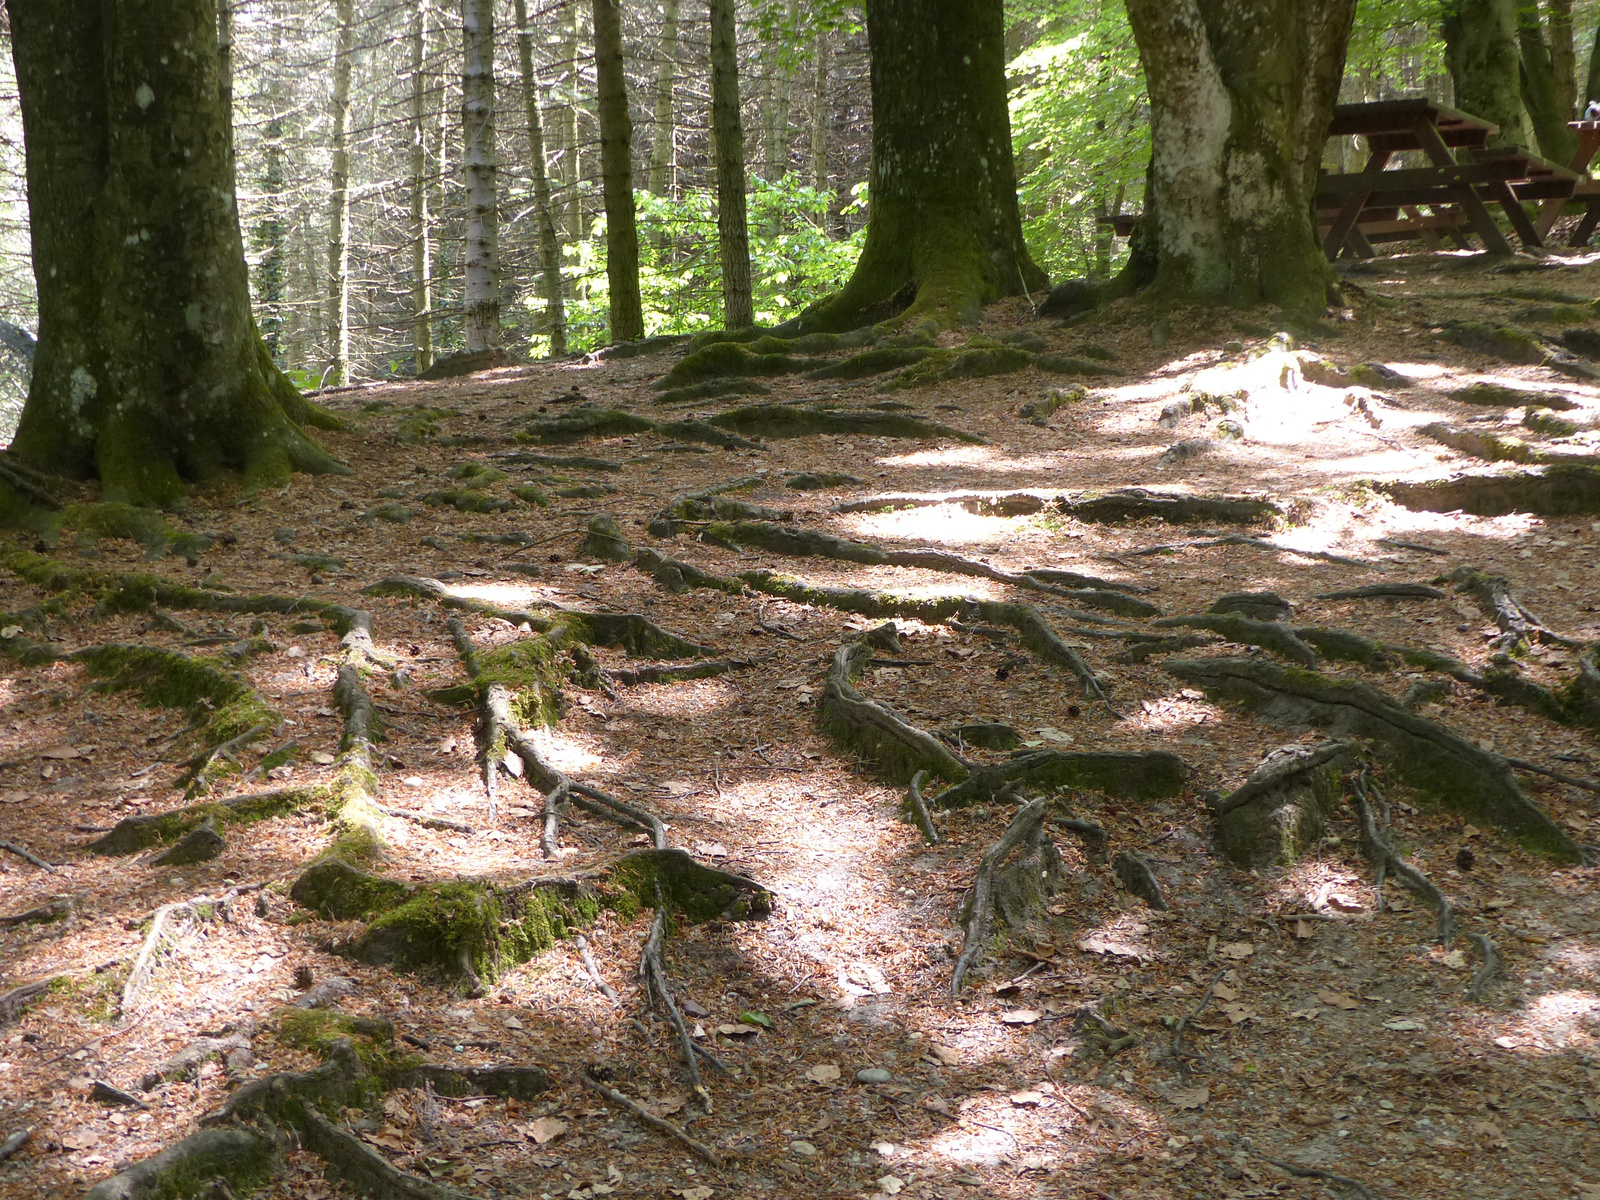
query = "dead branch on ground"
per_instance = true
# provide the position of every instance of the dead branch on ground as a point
(654, 1122)
(28, 855)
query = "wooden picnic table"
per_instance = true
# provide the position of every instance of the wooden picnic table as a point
(1504, 177)
(1587, 190)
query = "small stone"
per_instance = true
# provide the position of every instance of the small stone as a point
(605, 541)
(412, 781)
(873, 1075)
(200, 844)
(1233, 347)
(803, 1149)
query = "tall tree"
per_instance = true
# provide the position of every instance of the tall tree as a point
(1480, 38)
(1564, 56)
(338, 372)
(1548, 109)
(819, 110)
(549, 244)
(270, 236)
(481, 297)
(663, 145)
(421, 234)
(733, 233)
(616, 171)
(1591, 87)
(780, 78)
(1241, 93)
(149, 370)
(567, 121)
(944, 236)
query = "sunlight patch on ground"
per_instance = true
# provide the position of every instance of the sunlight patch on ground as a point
(1558, 1020)
(571, 754)
(948, 456)
(944, 524)
(1324, 887)
(509, 595)
(1176, 711)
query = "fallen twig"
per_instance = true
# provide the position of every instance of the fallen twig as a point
(1239, 539)
(428, 822)
(1355, 1185)
(22, 852)
(604, 988)
(1576, 781)
(1177, 1030)
(981, 917)
(15, 1142)
(761, 620)
(1491, 965)
(1384, 857)
(920, 810)
(654, 1122)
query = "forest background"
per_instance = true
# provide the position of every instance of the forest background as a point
(1080, 126)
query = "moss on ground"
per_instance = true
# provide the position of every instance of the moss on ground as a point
(585, 421)
(711, 389)
(198, 686)
(419, 423)
(319, 1029)
(787, 421)
(723, 360)
(467, 499)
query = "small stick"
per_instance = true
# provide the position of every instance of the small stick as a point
(920, 810)
(15, 1142)
(1177, 1030)
(549, 836)
(761, 620)
(1490, 968)
(21, 852)
(428, 822)
(1419, 546)
(1576, 781)
(1355, 1185)
(654, 1122)
(605, 989)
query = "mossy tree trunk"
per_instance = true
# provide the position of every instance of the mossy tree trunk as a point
(1549, 110)
(1564, 56)
(1241, 94)
(1480, 41)
(150, 370)
(944, 236)
(1591, 87)
(616, 172)
(733, 234)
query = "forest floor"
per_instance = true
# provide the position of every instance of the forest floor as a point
(1328, 1027)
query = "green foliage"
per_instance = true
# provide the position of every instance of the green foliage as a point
(793, 261)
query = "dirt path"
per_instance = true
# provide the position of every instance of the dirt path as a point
(1334, 1034)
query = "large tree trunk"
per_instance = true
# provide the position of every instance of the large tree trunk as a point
(549, 244)
(1480, 39)
(1564, 56)
(944, 236)
(1591, 87)
(421, 250)
(616, 171)
(339, 201)
(733, 237)
(663, 145)
(149, 369)
(481, 299)
(1241, 93)
(1548, 112)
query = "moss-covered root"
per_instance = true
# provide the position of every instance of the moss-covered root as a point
(1276, 815)
(786, 421)
(1150, 775)
(353, 797)
(1431, 758)
(675, 575)
(875, 732)
(131, 835)
(1519, 628)
(241, 1155)
(980, 905)
(220, 702)
(727, 360)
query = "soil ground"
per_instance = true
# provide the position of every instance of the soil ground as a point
(1338, 1037)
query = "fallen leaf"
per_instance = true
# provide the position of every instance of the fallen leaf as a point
(1194, 1097)
(890, 1185)
(1402, 1024)
(1238, 949)
(1303, 929)
(82, 1138)
(1027, 1099)
(1223, 992)
(545, 1129)
(1238, 1013)
(665, 1106)
(1456, 960)
(1020, 1016)
(740, 1030)
(1338, 1000)
(1305, 1014)
(944, 1054)
(823, 1073)
(322, 758)
(61, 752)
(694, 1193)
(1498, 902)
(750, 1017)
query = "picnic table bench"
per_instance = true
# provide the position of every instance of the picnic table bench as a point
(1587, 191)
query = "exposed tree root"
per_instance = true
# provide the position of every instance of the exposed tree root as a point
(1518, 626)
(1143, 775)
(206, 770)
(353, 801)
(1490, 970)
(900, 749)
(649, 1119)
(1386, 860)
(15, 1002)
(15, 1142)
(61, 908)
(1139, 878)
(1249, 632)
(1386, 591)
(241, 1155)
(919, 809)
(1552, 491)
(786, 421)
(1276, 815)
(1577, 781)
(1125, 504)
(1355, 1186)
(653, 975)
(1426, 754)
(712, 389)
(980, 918)
(1236, 539)
(27, 856)
(677, 672)
(132, 835)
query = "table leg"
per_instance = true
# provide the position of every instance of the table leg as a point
(1585, 230)
(1358, 244)
(1501, 192)
(1439, 154)
(1549, 210)
(1350, 211)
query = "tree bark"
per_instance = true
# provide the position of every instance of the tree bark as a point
(549, 244)
(481, 298)
(1541, 90)
(338, 373)
(571, 206)
(781, 74)
(421, 248)
(616, 170)
(149, 370)
(944, 236)
(663, 146)
(1563, 56)
(1481, 49)
(1591, 87)
(820, 107)
(733, 236)
(1241, 95)
(270, 236)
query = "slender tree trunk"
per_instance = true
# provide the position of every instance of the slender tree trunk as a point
(663, 148)
(616, 170)
(782, 74)
(339, 201)
(549, 245)
(1241, 93)
(1564, 56)
(1541, 90)
(149, 370)
(481, 299)
(820, 107)
(944, 236)
(1481, 49)
(572, 168)
(733, 237)
(270, 236)
(1591, 87)
(421, 248)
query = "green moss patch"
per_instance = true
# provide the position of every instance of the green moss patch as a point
(168, 679)
(133, 834)
(418, 424)
(727, 360)
(319, 1029)
(467, 500)
(585, 421)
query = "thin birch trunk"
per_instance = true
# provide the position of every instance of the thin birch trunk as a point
(481, 299)
(616, 171)
(421, 250)
(663, 148)
(732, 231)
(338, 373)
(549, 245)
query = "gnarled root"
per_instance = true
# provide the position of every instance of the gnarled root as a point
(980, 919)
(1385, 859)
